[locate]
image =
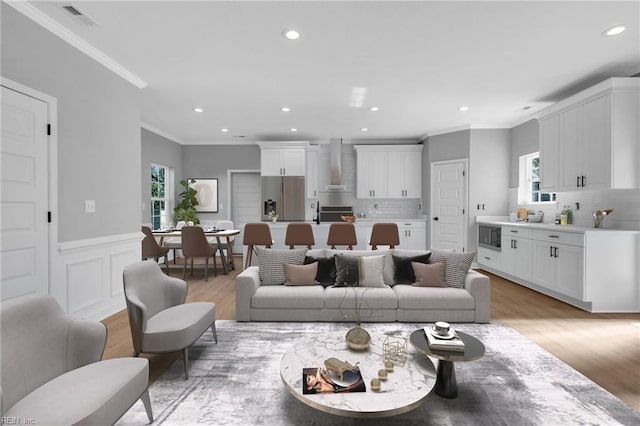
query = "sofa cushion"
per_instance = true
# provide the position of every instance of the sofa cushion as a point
(368, 297)
(271, 263)
(456, 265)
(96, 394)
(370, 270)
(326, 274)
(347, 272)
(301, 274)
(429, 275)
(403, 271)
(439, 298)
(388, 262)
(288, 297)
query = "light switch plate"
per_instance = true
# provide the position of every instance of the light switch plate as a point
(89, 206)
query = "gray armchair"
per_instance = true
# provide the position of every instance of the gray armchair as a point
(52, 372)
(160, 320)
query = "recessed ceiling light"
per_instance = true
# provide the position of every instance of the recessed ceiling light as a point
(285, 109)
(291, 34)
(364, 129)
(293, 129)
(198, 109)
(374, 108)
(613, 31)
(224, 130)
(464, 108)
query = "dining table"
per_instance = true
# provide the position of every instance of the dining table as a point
(216, 233)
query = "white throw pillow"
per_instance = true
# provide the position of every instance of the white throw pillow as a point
(371, 271)
(456, 265)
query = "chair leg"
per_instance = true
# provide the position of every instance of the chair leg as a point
(215, 266)
(184, 270)
(247, 262)
(185, 357)
(192, 266)
(215, 333)
(147, 404)
(174, 256)
(206, 269)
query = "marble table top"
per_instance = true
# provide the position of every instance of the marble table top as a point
(405, 388)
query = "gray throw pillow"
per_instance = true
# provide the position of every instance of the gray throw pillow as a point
(456, 265)
(271, 263)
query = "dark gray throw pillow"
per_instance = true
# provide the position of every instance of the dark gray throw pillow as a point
(403, 271)
(346, 271)
(326, 269)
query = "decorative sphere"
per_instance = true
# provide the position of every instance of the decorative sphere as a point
(382, 374)
(375, 384)
(388, 365)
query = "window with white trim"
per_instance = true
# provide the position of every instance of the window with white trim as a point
(161, 199)
(529, 190)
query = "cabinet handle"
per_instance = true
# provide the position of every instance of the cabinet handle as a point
(555, 252)
(577, 181)
(550, 251)
(583, 179)
(515, 244)
(514, 231)
(554, 236)
(488, 258)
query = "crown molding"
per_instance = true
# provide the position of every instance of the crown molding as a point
(162, 133)
(45, 21)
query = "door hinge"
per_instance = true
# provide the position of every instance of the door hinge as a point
(48, 217)
(48, 129)
(463, 173)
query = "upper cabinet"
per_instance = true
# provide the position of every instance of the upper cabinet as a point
(283, 159)
(389, 171)
(312, 172)
(590, 141)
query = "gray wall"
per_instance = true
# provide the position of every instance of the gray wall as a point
(98, 128)
(213, 161)
(159, 150)
(524, 140)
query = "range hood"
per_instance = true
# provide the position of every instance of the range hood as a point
(335, 167)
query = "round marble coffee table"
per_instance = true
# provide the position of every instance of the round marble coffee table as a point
(446, 385)
(406, 387)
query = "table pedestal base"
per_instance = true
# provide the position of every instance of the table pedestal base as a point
(446, 386)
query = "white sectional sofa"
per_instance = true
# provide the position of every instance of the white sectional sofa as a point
(392, 302)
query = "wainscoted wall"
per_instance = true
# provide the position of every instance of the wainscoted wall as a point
(87, 274)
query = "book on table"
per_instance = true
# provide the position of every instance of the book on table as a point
(453, 342)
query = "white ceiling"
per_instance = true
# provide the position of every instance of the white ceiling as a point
(419, 62)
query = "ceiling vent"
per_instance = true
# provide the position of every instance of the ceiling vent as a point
(80, 16)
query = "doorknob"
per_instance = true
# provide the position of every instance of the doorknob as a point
(435, 218)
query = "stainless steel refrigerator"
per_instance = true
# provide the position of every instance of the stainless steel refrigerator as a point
(285, 196)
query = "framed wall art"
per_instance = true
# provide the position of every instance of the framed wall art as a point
(207, 195)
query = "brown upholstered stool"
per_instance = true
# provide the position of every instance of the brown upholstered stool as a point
(255, 234)
(384, 234)
(299, 234)
(342, 234)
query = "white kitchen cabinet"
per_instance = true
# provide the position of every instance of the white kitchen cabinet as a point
(591, 140)
(489, 257)
(517, 252)
(413, 235)
(371, 174)
(312, 173)
(559, 267)
(280, 159)
(404, 171)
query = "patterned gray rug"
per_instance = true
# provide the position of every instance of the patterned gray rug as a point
(237, 382)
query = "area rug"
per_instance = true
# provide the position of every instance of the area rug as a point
(237, 382)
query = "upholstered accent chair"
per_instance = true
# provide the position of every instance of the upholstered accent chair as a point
(255, 234)
(342, 234)
(151, 249)
(52, 371)
(299, 234)
(195, 245)
(160, 320)
(384, 234)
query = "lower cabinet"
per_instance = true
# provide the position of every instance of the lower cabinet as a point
(517, 250)
(413, 235)
(559, 267)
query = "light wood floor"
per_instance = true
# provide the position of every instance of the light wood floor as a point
(603, 347)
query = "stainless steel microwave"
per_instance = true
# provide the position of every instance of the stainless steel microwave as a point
(490, 236)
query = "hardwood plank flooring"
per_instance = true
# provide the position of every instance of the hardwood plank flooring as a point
(603, 347)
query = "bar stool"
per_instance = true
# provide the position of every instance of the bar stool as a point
(384, 234)
(255, 234)
(299, 234)
(342, 234)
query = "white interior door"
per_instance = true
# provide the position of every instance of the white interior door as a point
(245, 201)
(24, 196)
(448, 200)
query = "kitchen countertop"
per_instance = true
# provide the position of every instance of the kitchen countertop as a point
(504, 221)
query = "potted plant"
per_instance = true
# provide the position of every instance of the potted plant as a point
(186, 209)
(273, 215)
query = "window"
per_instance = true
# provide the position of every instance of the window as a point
(530, 192)
(161, 199)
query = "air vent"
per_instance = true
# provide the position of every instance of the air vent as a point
(80, 16)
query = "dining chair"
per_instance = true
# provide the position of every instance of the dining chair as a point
(175, 243)
(159, 318)
(195, 244)
(384, 234)
(300, 234)
(342, 234)
(227, 244)
(255, 234)
(151, 249)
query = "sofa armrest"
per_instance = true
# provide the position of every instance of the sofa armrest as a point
(479, 286)
(86, 341)
(247, 283)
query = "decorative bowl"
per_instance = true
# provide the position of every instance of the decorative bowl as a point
(349, 218)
